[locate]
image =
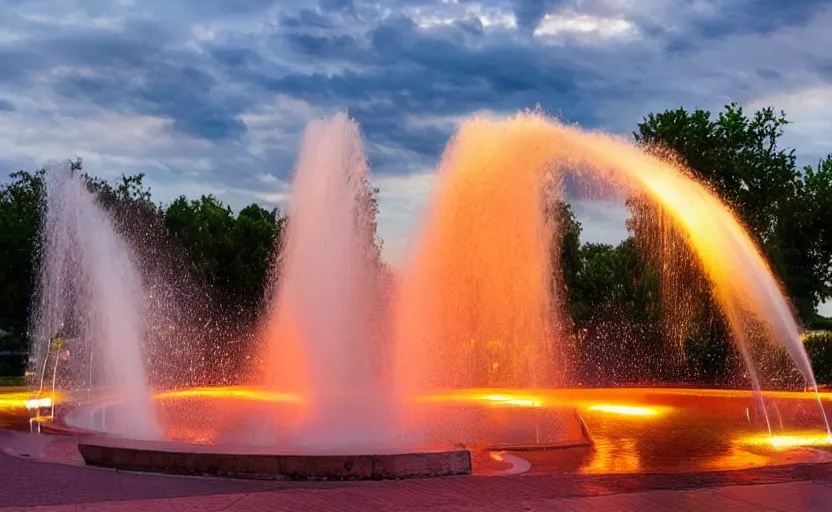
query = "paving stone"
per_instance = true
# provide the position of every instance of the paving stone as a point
(25, 484)
(363, 498)
(783, 497)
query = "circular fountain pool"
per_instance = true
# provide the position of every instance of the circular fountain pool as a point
(597, 431)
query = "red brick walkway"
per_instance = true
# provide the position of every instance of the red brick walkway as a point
(787, 497)
(27, 483)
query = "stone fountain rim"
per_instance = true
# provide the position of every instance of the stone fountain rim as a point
(113, 441)
(217, 460)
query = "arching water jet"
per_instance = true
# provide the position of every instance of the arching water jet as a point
(516, 153)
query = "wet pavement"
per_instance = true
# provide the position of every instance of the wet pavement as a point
(693, 455)
(40, 485)
(792, 497)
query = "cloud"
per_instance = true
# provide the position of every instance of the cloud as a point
(759, 17)
(810, 111)
(212, 95)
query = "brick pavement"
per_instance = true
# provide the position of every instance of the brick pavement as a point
(25, 484)
(786, 497)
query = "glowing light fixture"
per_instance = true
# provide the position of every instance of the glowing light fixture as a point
(36, 403)
(785, 441)
(626, 410)
(25, 400)
(510, 400)
(230, 392)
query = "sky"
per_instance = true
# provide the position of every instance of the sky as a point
(211, 96)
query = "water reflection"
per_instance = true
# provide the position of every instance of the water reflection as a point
(647, 430)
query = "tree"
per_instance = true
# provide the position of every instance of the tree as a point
(220, 280)
(231, 254)
(785, 211)
(817, 193)
(737, 156)
(566, 244)
(614, 278)
(130, 190)
(255, 235)
(20, 207)
(614, 307)
(205, 228)
(740, 158)
(801, 248)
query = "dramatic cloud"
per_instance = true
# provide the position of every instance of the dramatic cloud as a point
(211, 96)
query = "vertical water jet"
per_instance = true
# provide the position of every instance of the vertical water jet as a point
(323, 332)
(474, 308)
(90, 294)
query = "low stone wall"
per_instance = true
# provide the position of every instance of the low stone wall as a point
(278, 467)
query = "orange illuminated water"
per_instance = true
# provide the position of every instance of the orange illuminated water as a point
(632, 430)
(477, 316)
(322, 332)
(475, 304)
(647, 430)
(475, 296)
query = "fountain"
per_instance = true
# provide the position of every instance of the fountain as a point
(475, 300)
(476, 308)
(332, 413)
(323, 334)
(741, 279)
(90, 289)
(476, 323)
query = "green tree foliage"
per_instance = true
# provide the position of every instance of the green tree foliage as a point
(649, 299)
(632, 305)
(566, 248)
(234, 254)
(819, 347)
(786, 211)
(129, 192)
(613, 303)
(614, 278)
(20, 201)
(802, 251)
(737, 156)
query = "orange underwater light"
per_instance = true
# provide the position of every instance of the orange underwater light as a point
(628, 410)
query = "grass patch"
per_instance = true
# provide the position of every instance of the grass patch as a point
(12, 381)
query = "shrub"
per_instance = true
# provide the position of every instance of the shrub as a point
(820, 323)
(819, 348)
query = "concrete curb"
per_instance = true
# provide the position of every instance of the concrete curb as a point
(176, 460)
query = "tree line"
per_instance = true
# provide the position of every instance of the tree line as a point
(643, 310)
(225, 258)
(628, 311)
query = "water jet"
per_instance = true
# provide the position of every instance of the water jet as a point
(467, 350)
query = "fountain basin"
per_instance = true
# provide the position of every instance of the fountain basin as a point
(251, 433)
(634, 430)
(252, 418)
